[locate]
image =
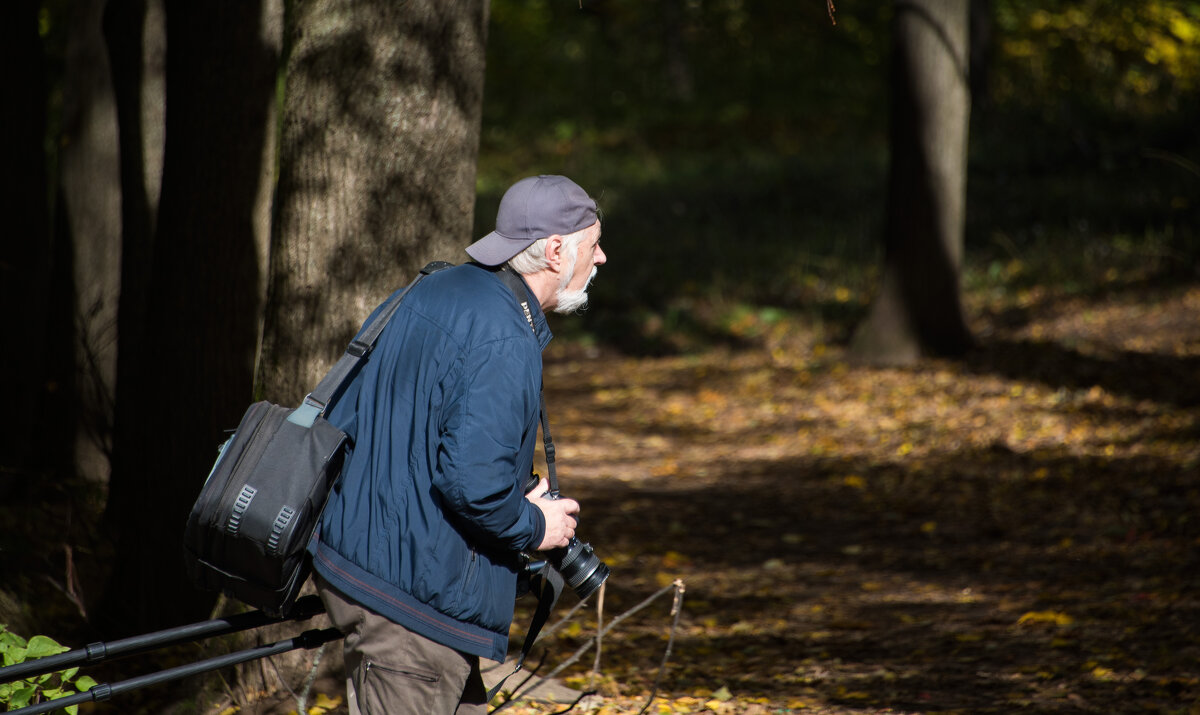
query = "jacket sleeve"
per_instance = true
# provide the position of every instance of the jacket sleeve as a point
(479, 456)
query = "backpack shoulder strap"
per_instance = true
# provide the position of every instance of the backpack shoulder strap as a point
(316, 402)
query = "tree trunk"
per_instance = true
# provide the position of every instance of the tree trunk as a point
(135, 34)
(135, 31)
(380, 136)
(198, 326)
(919, 309)
(91, 197)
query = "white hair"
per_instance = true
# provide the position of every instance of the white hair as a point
(533, 259)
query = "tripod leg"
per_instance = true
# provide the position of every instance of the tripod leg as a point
(104, 691)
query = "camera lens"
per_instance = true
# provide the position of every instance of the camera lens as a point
(582, 570)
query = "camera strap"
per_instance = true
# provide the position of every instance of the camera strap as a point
(523, 295)
(548, 585)
(548, 445)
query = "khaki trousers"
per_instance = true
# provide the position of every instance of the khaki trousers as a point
(392, 671)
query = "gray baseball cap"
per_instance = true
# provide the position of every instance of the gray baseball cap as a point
(534, 208)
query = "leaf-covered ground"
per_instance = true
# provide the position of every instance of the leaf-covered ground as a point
(1018, 531)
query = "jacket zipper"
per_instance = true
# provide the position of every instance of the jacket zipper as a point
(469, 578)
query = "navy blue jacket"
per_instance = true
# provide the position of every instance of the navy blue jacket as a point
(426, 522)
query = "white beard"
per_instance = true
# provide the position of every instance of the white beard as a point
(570, 301)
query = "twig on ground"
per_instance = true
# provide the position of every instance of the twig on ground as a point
(1173, 158)
(571, 707)
(599, 630)
(583, 649)
(302, 700)
(676, 608)
(71, 588)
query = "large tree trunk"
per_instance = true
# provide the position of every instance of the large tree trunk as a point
(380, 137)
(919, 309)
(197, 329)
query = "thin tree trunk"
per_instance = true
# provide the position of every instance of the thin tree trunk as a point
(919, 309)
(90, 181)
(135, 32)
(195, 366)
(126, 30)
(380, 136)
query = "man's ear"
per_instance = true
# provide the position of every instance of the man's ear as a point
(554, 253)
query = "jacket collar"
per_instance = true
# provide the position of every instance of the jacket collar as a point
(533, 313)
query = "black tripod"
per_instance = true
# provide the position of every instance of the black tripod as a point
(304, 609)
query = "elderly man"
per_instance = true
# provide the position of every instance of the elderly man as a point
(418, 550)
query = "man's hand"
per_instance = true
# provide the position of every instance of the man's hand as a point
(560, 524)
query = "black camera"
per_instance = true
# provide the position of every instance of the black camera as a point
(579, 566)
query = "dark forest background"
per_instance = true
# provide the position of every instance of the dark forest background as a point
(742, 148)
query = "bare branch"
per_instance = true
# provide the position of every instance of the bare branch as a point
(584, 648)
(676, 609)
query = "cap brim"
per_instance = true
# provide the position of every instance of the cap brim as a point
(494, 249)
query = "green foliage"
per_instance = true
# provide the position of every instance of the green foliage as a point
(14, 649)
(1137, 58)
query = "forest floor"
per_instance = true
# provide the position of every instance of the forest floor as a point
(1016, 531)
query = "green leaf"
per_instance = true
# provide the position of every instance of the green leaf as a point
(85, 683)
(12, 656)
(10, 640)
(69, 674)
(42, 646)
(72, 709)
(21, 697)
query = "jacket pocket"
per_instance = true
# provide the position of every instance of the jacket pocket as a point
(471, 570)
